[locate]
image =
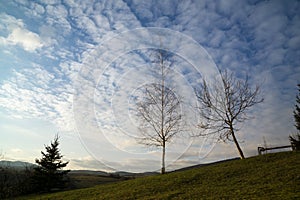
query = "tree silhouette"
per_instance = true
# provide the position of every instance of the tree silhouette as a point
(224, 104)
(295, 140)
(49, 174)
(297, 110)
(159, 108)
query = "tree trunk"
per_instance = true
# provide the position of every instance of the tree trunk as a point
(163, 169)
(237, 145)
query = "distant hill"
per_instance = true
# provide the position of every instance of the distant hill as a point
(89, 172)
(21, 165)
(16, 164)
(119, 173)
(131, 174)
(270, 176)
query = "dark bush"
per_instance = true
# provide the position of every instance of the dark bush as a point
(15, 182)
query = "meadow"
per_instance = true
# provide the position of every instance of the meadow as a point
(271, 176)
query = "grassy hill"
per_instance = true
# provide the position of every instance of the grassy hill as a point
(271, 176)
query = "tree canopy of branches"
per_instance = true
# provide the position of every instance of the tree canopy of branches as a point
(159, 108)
(49, 174)
(225, 103)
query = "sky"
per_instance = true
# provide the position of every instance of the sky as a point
(74, 68)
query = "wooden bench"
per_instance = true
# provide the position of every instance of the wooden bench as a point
(261, 149)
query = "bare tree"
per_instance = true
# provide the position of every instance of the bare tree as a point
(159, 108)
(224, 104)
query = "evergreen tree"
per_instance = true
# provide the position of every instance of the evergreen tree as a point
(295, 140)
(297, 110)
(49, 174)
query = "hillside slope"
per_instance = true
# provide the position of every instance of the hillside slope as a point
(272, 176)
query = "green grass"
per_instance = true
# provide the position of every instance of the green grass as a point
(272, 176)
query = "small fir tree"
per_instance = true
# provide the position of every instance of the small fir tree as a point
(297, 110)
(49, 174)
(295, 140)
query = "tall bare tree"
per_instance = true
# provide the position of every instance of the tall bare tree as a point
(224, 104)
(159, 108)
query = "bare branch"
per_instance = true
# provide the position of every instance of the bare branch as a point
(224, 104)
(159, 109)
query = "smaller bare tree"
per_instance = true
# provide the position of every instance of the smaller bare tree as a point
(224, 104)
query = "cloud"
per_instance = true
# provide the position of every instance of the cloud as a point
(258, 38)
(28, 40)
(19, 35)
(87, 163)
(16, 150)
(42, 97)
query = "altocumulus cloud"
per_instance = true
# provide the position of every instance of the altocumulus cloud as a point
(19, 35)
(260, 38)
